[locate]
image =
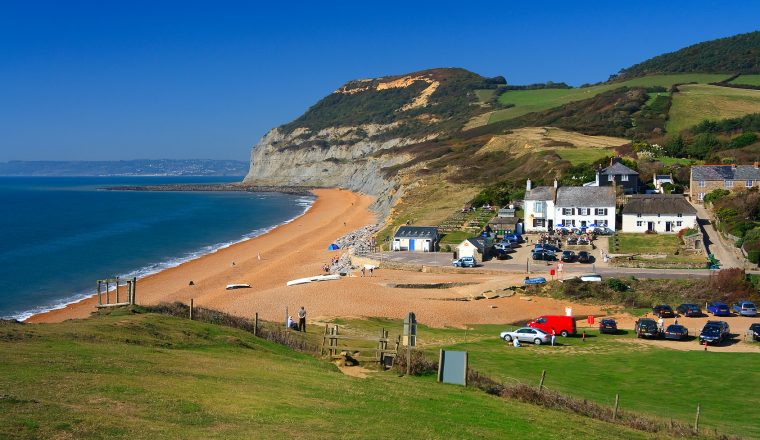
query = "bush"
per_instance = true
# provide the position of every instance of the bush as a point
(617, 285)
(716, 194)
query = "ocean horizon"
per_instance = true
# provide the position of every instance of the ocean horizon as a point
(58, 235)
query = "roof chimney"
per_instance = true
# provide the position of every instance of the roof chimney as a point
(528, 185)
(555, 184)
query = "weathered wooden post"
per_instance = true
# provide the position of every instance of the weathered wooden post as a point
(133, 301)
(617, 403)
(191, 309)
(100, 299)
(256, 325)
(117, 290)
(108, 292)
(541, 383)
(696, 421)
(410, 338)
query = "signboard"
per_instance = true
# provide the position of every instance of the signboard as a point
(452, 367)
(568, 311)
(560, 267)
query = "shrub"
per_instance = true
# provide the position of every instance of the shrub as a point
(617, 285)
(716, 194)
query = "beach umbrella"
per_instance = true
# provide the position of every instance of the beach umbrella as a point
(333, 247)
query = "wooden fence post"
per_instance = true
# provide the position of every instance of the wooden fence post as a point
(541, 383)
(256, 325)
(191, 309)
(696, 421)
(617, 403)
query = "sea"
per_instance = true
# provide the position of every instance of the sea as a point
(58, 235)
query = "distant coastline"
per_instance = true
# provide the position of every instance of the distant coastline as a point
(125, 168)
(223, 187)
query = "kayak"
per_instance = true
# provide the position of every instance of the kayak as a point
(536, 280)
(313, 279)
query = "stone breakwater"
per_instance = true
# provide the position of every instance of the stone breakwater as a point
(360, 241)
(222, 187)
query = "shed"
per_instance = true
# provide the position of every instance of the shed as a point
(479, 248)
(415, 238)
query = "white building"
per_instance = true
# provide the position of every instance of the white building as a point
(547, 207)
(664, 213)
(582, 206)
(661, 179)
(539, 207)
(415, 238)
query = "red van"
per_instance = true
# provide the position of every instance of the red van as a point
(562, 325)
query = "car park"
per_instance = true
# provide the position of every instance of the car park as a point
(718, 308)
(745, 308)
(714, 332)
(584, 257)
(647, 328)
(543, 254)
(561, 324)
(591, 278)
(527, 334)
(755, 330)
(663, 311)
(464, 262)
(568, 256)
(676, 332)
(608, 325)
(689, 310)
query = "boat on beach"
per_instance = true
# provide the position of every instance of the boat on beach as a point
(237, 286)
(313, 279)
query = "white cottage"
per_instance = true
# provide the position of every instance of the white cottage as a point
(539, 207)
(415, 238)
(664, 213)
(583, 206)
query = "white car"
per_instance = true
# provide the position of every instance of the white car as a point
(591, 277)
(527, 334)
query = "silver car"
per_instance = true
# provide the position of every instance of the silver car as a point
(527, 334)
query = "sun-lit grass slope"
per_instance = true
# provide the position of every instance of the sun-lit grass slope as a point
(528, 101)
(748, 80)
(148, 376)
(695, 103)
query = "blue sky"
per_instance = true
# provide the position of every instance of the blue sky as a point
(125, 80)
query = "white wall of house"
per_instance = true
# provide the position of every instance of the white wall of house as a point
(467, 249)
(537, 215)
(579, 216)
(664, 223)
(419, 245)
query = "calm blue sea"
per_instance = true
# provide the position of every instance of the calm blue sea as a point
(59, 235)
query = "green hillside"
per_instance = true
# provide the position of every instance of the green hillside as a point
(151, 376)
(528, 101)
(697, 102)
(735, 54)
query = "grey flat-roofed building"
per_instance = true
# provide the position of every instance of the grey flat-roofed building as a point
(415, 238)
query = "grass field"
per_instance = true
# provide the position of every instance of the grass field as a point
(528, 101)
(149, 376)
(646, 243)
(484, 95)
(695, 103)
(750, 80)
(656, 381)
(577, 156)
(669, 161)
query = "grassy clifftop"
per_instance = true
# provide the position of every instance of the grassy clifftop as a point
(149, 376)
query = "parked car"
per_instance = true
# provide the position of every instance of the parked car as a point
(676, 332)
(602, 230)
(502, 254)
(503, 246)
(464, 262)
(527, 334)
(568, 256)
(562, 325)
(745, 308)
(608, 325)
(584, 257)
(689, 310)
(517, 238)
(546, 247)
(755, 329)
(663, 311)
(591, 278)
(543, 254)
(647, 328)
(718, 308)
(714, 332)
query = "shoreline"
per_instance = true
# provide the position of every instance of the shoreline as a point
(237, 251)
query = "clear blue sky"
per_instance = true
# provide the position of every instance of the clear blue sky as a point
(131, 79)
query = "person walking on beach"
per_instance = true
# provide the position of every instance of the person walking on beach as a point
(302, 320)
(363, 270)
(371, 270)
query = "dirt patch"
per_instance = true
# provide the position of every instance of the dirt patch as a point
(524, 140)
(355, 371)
(738, 347)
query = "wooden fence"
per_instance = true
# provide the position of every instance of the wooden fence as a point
(333, 344)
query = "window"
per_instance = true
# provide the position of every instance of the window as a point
(610, 178)
(624, 177)
(729, 183)
(748, 183)
(539, 222)
(584, 211)
(680, 215)
(701, 183)
(638, 215)
(639, 223)
(679, 223)
(701, 196)
(600, 222)
(600, 211)
(538, 207)
(568, 211)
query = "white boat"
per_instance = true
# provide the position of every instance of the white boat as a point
(313, 279)
(237, 286)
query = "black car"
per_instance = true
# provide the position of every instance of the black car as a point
(584, 257)
(714, 332)
(568, 256)
(663, 311)
(647, 328)
(608, 325)
(676, 332)
(544, 255)
(689, 310)
(502, 254)
(755, 329)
